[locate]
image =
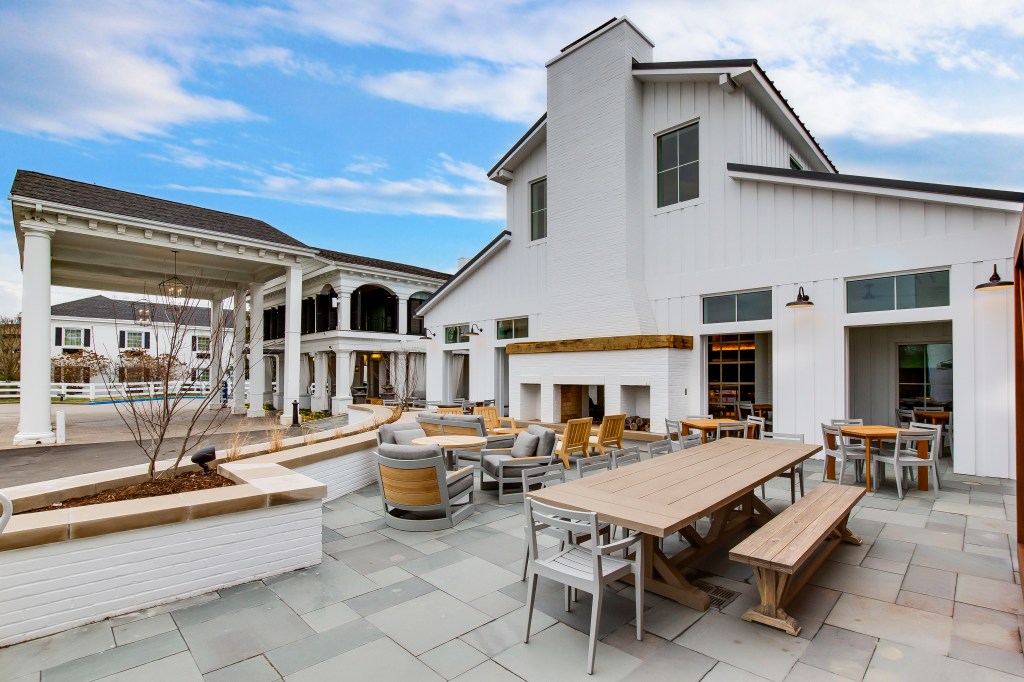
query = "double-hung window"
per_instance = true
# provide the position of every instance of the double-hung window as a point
(72, 338)
(133, 340)
(678, 166)
(539, 209)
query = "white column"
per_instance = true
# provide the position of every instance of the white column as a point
(278, 374)
(217, 334)
(292, 340)
(403, 315)
(342, 382)
(319, 400)
(238, 354)
(34, 426)
(257, 368)
(345, 310)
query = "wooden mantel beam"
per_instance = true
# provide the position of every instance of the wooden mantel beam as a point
(602, 343)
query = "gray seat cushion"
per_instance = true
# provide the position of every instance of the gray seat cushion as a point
(459, 485)
(406, 436)
(408, 452)
(491, 462)
(547, 439)
(500, 441)
(385, 434)
(525, 445)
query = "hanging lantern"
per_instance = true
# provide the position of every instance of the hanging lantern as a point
(174, 287)
(143, 312)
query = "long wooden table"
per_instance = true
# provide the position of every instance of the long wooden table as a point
(669, 494)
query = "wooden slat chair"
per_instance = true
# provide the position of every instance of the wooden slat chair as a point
(375, 401)
(575, 440)
(490, 415)
(609, 435)
(781, 550)
(430, 423)
(449, 410)
(417, 492)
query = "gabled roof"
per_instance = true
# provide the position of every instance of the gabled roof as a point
(503, 238)
(352, 259)
(41, 187)
(103, 308)
(519, 143)
(880, 183)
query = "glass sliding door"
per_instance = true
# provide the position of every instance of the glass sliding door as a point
(925, 374)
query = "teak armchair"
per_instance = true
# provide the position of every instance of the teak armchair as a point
(609, 436)
(575, 440)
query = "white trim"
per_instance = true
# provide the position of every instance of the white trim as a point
(590, 38)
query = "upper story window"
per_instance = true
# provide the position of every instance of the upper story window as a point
(794, 163)
(515, 328)
(751, 305)
(458, 333)
(898, 292)
(678, 166)
(133, 339)
(71, 338)
(539, 209)
(201, 344)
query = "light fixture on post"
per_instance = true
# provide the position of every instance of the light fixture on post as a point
(802, 300)
(995, 282)
(142, 311)
(174, 287)
(428, 335)
(474, 330)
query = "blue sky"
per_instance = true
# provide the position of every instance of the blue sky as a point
(368, 127)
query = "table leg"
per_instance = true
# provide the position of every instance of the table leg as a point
(922, 472)
(703, 436)
(867, 463)
(663, 578)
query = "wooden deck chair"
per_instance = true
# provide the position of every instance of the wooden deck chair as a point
(490, 414)
(449, 410)
(609, 436)
(375, 401)
(575, 440)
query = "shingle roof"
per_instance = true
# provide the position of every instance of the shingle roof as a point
(32, 185)
(339, 257)
(103, 308)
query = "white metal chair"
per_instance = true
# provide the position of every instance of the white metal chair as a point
(904, 417)
(593, 465)
(904, 455)
(744, 408)
(797, 472)
(731, 430)
(690, 441)
(621, 458)
(838, 449)
(853, 445)
(582, 568)
(659, 448)
(673, 429)
(759, 423)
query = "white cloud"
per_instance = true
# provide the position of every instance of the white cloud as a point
(366, 165)
(281, 58)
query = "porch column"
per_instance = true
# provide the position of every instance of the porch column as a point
(321, 399)
(292, 340)
(217, 334)
(238, 354)
(257, 362)
(342, 382)
(345, 310)
(278, 376)
(403, 315)
(34, 426)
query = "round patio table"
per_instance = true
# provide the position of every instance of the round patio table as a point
(450, 443)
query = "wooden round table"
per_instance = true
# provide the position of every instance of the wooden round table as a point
(449, 443)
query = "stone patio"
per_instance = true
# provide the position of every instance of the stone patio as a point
(931, 594)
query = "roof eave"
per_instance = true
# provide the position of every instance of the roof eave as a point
(523, 145)
(475, 262)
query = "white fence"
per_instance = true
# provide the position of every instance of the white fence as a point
(11, 390)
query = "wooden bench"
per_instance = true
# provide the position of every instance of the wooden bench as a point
(781, 550)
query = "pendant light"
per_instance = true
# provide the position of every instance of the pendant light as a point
(995, 282)
(174, 287)
(802, 300)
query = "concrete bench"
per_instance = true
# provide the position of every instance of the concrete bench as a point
(787, 550)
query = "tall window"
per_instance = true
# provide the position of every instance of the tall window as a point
(678, 161)
(515, 328)
(730, 368)
(925, 374)
(752, 305)
(539, 209)
(898, 292)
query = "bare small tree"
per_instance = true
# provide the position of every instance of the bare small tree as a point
(405, 374)
(10, 348)
(183, 376)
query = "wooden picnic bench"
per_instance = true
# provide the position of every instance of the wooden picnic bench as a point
(784, 553)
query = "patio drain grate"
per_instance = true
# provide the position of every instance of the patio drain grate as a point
(720, 596)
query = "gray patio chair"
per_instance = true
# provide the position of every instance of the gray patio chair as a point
(582, 568)
(505, 465)
(758, 422)
(399, 433)
(731, 430)
(904, 455)
(843, 452)
(673, 429)
(796, 472)
(904, 417)
(744, 409)
(417, 491)
(593, 465)
(660, 447)
(621, 458)
(690, 441)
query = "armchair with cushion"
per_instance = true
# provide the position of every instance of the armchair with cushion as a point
(399, 433)
(417, 492)
(532, 448)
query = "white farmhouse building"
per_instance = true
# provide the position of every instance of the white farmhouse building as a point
(661, 216)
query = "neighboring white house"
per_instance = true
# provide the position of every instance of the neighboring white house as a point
(109, 327)
(669, 211)
(360, 336)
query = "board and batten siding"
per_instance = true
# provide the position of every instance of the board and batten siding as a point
(764, 142)
(342, 475)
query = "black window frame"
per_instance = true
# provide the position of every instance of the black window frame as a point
(661, 201)
(540, 213)
(736, 306)
(893, 286)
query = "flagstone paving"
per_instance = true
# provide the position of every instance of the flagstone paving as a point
(933, 593)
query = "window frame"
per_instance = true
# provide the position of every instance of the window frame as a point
(127, 340)
(535, 211)
(199, 343)
(736, 306)
(522, 319)
(794, 163)
(894, 276)
(657, 171)
(463, 336)
(64, 337)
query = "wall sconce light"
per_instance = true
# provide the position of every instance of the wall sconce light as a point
(802, 300)
(428, 335)
(994, 282)
(474, 330)
(334, 301)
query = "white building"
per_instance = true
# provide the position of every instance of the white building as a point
(661, 215)
(109, 327)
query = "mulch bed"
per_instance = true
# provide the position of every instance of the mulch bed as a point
(183, 483)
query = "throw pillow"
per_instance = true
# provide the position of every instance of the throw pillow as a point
(405, 436)
(525, 445)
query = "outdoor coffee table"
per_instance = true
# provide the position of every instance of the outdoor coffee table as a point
(705, 426)
(450, 443)
(877, 434)
(659, 497)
